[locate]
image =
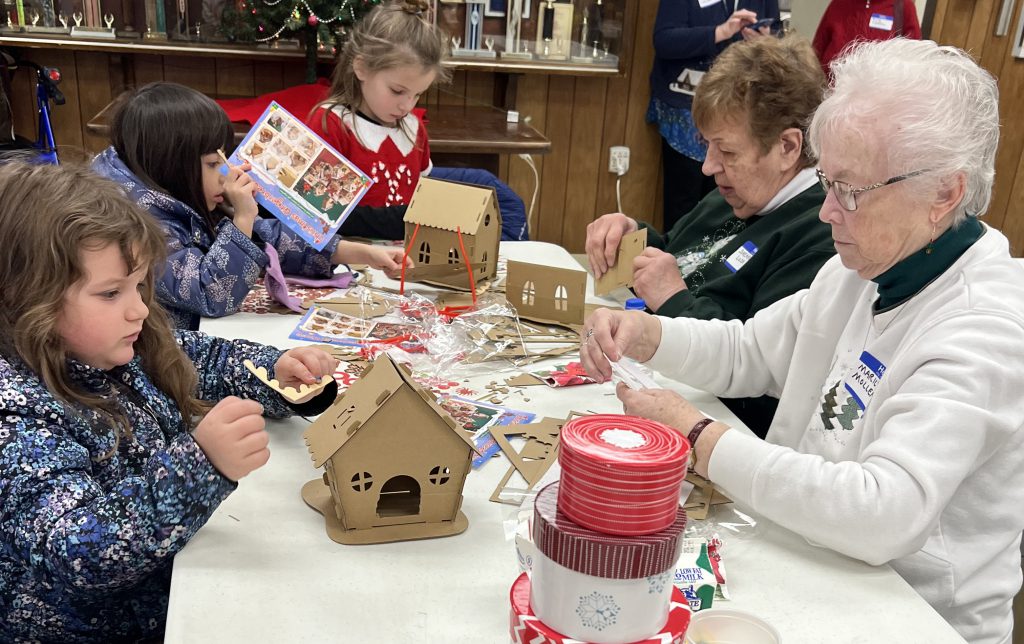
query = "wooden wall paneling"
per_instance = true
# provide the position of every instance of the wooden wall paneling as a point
(479, 88)
(640, 186)
(148, 69)
(23, 103)
(555, 176)
(93, 72)
(614, 127)
(957, 22)
(938, 19)
(979, 33)
(531, 103)
(454, 94)
(293, 72)
(234, 78)
(1013, 225)
(585, 157)
(267, 77)
(1010, 73)
(196, 73)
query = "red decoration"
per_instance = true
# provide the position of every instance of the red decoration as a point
(313, 20)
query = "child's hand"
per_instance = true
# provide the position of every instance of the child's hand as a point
(304, 365)
(232, 437)
(388, 260)
(239, 189)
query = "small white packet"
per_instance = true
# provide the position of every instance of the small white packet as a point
(630, 372)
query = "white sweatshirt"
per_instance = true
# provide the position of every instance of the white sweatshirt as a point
(898, 438)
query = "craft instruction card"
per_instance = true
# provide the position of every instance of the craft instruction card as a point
(303, 181)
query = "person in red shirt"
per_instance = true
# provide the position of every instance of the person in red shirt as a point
(848, 20)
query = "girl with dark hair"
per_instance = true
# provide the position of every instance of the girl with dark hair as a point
(118, 437)
(165, 140)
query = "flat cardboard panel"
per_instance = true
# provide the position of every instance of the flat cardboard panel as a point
(532, 290)
(621, 274)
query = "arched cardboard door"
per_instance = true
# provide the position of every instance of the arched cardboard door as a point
(399, 497)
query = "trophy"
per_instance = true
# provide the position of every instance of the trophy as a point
(93, 15)
(156, 20)
(181, 20)
(48, 19)
(475, 33)
(515, 49)
(554, 38)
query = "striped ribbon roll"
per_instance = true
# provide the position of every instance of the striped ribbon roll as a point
(621, 474)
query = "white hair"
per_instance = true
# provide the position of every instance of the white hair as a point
(938, 110)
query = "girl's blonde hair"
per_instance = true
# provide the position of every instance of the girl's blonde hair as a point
(48, 215)
(393, 34)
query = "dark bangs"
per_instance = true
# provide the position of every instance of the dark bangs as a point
(161, 130)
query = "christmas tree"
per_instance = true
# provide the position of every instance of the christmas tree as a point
(316, 22)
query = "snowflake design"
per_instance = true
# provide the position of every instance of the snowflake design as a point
(597, 611)
(656, 583)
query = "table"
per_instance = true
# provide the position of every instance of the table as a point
(264, 570)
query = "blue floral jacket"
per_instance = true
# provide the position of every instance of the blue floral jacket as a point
(86, 543)
(209, 275)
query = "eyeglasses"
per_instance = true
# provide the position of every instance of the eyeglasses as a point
(846, 194)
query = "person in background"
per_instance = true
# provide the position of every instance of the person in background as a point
(688, 36)
(899, 436)
(165, 140)
(846, 21)
(390, 58)
(755, 239)
(118, 437)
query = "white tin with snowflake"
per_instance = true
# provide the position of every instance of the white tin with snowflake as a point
(596, 587)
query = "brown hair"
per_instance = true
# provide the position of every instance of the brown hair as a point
(48, 214)
(775, 83)
(393, 34)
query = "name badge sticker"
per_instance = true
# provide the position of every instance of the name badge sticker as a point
(704, 4)
(881, 21)
(861, 384)
(740, 256)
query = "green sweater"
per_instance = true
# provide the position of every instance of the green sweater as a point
(791, 242)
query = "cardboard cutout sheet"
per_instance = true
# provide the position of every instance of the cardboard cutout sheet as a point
(621, 275)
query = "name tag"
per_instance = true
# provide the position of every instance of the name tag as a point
(704, 4)
(880, 21)
(740, 257)
(861, 384)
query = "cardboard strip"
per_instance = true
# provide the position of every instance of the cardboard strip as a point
(291, 394)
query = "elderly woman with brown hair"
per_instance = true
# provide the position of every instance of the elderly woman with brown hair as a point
(899, 436)
(757, 238)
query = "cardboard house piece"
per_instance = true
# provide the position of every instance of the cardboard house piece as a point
(442, 209)
(546, 293)
(395, 462)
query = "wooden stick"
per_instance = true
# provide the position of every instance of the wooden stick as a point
(223, 158)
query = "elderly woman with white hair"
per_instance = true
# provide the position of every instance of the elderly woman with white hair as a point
(898, 437)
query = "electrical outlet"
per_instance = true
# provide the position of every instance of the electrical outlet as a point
(618, 159)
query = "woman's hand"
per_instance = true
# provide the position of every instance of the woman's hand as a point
(233, 438)
(303, 366)
(603, 237)
(656, 277)
(736, 22)
(609, 335)
(239, 189)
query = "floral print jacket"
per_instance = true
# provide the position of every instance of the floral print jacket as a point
(210, 275)
(86, 542)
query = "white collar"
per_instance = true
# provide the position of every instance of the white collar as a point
(371, 135)
(802, 181)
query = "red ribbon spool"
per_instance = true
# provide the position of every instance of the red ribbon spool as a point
(621, 475)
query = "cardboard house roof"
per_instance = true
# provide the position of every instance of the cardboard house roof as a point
(449, 205)
(363, 399)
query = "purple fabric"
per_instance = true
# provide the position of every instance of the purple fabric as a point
(277, 282)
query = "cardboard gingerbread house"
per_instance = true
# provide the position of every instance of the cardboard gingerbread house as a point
(395, 462)
(439, 213)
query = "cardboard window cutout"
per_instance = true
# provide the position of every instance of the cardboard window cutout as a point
(453, 256)
(561, 298)
(362, 482)
(439, 475)
(424, 253)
